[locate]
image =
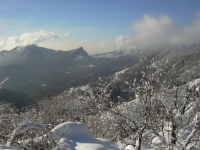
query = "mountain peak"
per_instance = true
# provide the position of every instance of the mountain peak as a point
(79, 51)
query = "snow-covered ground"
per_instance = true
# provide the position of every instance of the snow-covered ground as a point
(75, 136)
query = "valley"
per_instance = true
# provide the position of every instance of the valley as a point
(115, 93)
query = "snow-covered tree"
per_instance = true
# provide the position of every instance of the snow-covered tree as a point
(164, 114)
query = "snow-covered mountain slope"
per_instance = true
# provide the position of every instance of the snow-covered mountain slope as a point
(114, 54)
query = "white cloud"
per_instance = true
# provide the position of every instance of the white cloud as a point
(153, 31)
(107, 46)
(103, 45)
(124, 42)
(162, 30)
(32, 38)
(2, 43)
(66, 34)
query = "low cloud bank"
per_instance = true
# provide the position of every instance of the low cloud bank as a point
(162, 31)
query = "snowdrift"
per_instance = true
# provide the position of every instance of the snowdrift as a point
(75, 136)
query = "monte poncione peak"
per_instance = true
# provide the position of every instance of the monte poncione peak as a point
(79, 51)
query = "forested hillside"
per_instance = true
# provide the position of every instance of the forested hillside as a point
(153, 103)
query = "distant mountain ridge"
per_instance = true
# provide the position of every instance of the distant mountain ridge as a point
(29, 53)
(35, 72)
(38, 71)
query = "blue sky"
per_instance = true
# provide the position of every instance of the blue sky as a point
(98, 25)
